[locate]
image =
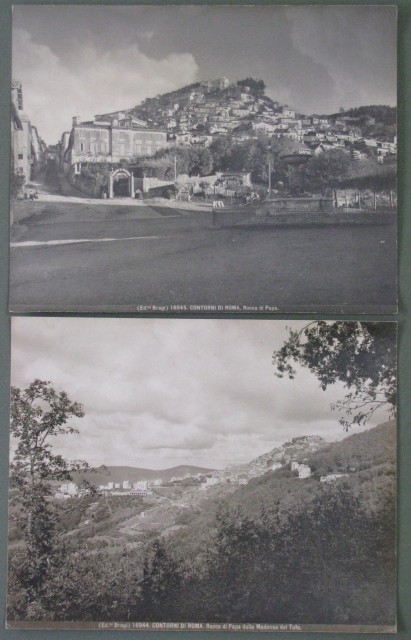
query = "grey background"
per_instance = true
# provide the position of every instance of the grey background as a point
(404, 409)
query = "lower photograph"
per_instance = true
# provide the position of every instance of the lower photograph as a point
(212, 475)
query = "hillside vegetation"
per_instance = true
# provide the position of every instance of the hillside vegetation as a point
(279, 549)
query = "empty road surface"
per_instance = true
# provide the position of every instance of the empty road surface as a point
(74, 256)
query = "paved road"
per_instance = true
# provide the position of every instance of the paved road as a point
(121, 260)
(71, 256)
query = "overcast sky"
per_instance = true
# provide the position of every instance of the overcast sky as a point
(159, 393)
(84, 60)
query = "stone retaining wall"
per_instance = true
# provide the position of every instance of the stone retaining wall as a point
(242, 217)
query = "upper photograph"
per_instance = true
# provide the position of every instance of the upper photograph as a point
(203, 159)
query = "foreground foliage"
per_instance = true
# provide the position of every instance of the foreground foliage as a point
(280, 549)
(330, 560)
(38, 414)
(361, 355)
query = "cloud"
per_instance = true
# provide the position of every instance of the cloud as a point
(346, 43)
(158, 393)
(92, 59)
(95, 82)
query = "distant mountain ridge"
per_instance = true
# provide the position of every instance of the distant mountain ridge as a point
(135, 474)
(355, 452)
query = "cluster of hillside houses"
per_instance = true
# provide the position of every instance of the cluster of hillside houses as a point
(291, 455)
(221, 107)
(288, 455)
(28, 150)
(144, 488)
(196, 115)
(192, 116)
(140, 488)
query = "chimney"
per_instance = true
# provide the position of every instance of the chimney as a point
(76, 120)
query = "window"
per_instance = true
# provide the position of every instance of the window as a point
(21, 156)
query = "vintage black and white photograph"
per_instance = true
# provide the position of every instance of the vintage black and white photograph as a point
(225, 475)
(203, 159)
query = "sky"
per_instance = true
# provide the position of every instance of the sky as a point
(158, 393)
(85, 60)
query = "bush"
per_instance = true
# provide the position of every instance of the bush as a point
(18, 180)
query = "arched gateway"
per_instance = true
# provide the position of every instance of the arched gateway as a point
(121, 184)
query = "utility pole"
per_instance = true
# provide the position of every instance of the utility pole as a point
(269, 177)
(269, 170)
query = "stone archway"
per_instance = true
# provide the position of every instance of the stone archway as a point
(121, 184)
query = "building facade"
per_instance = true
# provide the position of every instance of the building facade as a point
(109, 139)
(27, 148)
(21, 133)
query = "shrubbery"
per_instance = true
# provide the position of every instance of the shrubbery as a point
(17, 182)
(328, 560)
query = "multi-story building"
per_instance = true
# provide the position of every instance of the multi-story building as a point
(219, 84)
(142, 485)
(110, 138)
(69, 488)
(288, 113)
(20, 133)
(303, 470)
(28, 150)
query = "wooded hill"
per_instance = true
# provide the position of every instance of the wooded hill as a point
(381, 113)
(279, 550)
(369, 459)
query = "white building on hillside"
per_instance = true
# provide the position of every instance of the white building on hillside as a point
(141, 485)
(69, 488)
(303, 470)
(331, 477)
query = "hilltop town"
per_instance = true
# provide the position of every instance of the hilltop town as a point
(217, 138)
(197, 118)
(196, 114)
(293, 455)
(183, 157)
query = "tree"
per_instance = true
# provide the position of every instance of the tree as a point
(345, 552)
(361, 355)
(160, 587)
(326, 170)
(257, 87)
(221, 149)
(39, 414)
(200, 161)
(369, 174)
